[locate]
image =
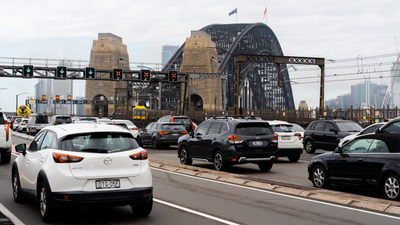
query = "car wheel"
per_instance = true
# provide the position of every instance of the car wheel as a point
(391, 187)
(294, 157)
(265, 166)
(46, 209)
(139, 142)
(155, 143)
(18, 196)
(5, 157)
(184, 156)
(309, 146)
(319, 177)
(143, 210)
(219, 161)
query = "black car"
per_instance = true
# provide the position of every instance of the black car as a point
(185, 121)
(226, 140)
(371, 160)
(160, 134)
(392, 126)
(326, 133)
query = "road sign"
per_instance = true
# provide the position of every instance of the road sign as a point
(145, 75)
(173, 76)
(90, 72)
(61, 72)
(27, 71)
(117, 74)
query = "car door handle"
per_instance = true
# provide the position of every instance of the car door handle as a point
(360, 160)
(214, 139)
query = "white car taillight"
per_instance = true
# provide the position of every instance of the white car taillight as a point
(139, 156)
(7, 129)
(64, 158)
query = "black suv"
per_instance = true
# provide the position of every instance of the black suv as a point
(185, 121)
(230, 140)
(326, 133)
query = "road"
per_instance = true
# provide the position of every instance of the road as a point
(182, 199)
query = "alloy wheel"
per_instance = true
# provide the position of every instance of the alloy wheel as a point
(391, 187)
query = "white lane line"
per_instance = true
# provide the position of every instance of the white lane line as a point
(283, 195)
(10, 216)
(195, 212)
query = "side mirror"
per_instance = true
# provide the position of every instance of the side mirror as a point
(338, 150)
(144, 129)
(191, 133)
(21, 148)
(333, 130)
(378, 131)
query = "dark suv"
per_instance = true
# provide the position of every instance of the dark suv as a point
(227, 140)
(326, 133)
(183, 120)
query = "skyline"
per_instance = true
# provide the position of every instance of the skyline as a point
(357, 43)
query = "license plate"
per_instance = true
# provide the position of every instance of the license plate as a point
(175, 134)
(104, 184)
(257, 143)
(285, 137)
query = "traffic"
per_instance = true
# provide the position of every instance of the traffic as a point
(67, 160)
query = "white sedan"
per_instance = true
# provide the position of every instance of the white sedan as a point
(80, 165)
(289, 140)
(131, 127)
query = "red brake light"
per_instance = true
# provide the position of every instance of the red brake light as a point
(163, 132)
(7, 128)
(134, 129)
(140, 156)
(275, 138)
(298, 134)
(234, 139)
(64, 158)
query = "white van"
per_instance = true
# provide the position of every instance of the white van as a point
(5, 139)
(36, 122)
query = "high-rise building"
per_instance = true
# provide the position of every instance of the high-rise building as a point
(167, 51)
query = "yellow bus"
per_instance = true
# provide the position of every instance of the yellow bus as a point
(139, 112)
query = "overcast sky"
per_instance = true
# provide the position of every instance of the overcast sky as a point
(364, 33)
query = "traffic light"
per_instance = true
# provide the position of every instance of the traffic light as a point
(130, 83)
(130, 93)
(43, 97)
(145, 75)
(95, 102)
(57, 98)
(37, 101)
(75, 101)
(63, 101)
(27, 71)
(84, 101)
(117, 74)
(105, 102)
(61, 72)
(69, 97)
(90, 72)
(173, 76)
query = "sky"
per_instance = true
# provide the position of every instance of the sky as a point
(358, 39)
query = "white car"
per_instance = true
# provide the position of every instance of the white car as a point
(368, 130)
(83, 165)
(131, 127)
(289, 140)
(5, 139)
(16, 123)
(23, 125)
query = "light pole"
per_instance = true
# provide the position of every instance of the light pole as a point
(16, 97)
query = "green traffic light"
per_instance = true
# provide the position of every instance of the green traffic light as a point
(90, 72)
(28, 70)
(62, 71)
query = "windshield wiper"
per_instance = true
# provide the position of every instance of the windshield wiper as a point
(94, 150)
(262, 134)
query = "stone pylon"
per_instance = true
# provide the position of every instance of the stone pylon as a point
(200, 56)
(108, 52)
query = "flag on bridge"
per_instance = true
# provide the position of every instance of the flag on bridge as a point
(233, 12)
(265, 12)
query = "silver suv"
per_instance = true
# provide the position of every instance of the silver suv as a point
(5, 139)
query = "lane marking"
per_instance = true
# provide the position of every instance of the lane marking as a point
(10, 216)
(194, 212)
(281, 194)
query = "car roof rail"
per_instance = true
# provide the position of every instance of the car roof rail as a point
(332, 118)
(231, 117)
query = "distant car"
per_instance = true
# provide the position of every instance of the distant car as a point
(183, 120)
(88, 119)
(61, 119)
(368, 130)
(5, 139)
(289, 140)
(226, 140)
(83, 165)
(16, 124)
(36, 122)
(161, 134)
(14, 118)
(298, 128)
(326, 133)
(368, 161)
(130, 126)
(23, 125)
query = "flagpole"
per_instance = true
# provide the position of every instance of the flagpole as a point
(236, 14)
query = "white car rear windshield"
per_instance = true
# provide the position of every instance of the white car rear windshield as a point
(101, 142)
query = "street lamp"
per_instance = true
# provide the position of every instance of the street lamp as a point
(16, 97)
(3, 88)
